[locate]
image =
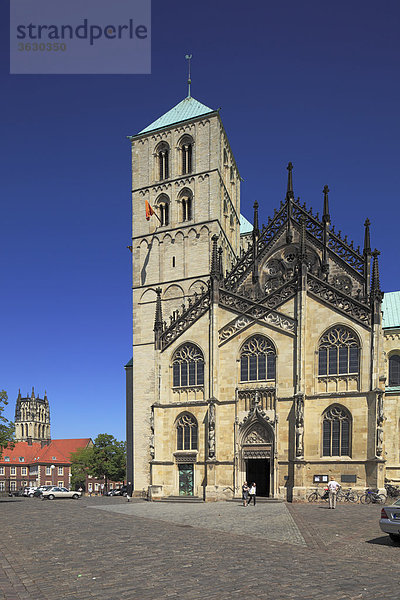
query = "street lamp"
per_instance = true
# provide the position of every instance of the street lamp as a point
(52, 473)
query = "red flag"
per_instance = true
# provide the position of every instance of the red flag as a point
(149, 211)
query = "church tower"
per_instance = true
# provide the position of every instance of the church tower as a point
(184, 169)
(32, 418)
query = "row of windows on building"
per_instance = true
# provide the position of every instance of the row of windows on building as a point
(185, 148)
(163, 153)
(13, 485)
(39, 430)
(14, 470)
(184, 207)
(338, 354)
(336, 432)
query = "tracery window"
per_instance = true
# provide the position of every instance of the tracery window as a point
(163, 161)
(257, 359)
(186, 433)
(336, 427)
(188, 366)
(338, 352)
(394, 370)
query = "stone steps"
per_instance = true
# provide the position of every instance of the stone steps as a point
(185, 499)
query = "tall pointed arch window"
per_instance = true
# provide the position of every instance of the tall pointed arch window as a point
(186, 146)
(188, 366)
(257, 359)
(163, 205)
(162, 154)
(338, 352)
(336, 432)
(394, 370)
(186, 432)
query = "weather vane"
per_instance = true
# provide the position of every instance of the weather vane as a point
(188, 58)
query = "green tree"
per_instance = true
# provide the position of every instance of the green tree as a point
(106, 459)
(80, 463)
(7, 429)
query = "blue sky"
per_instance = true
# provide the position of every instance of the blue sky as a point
(308, 82)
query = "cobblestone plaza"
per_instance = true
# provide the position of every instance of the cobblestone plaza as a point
(106, 548)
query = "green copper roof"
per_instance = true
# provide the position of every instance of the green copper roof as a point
(245, 225)
(187, 109)
(391, 309)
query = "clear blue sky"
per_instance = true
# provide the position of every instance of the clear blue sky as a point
(313, 82)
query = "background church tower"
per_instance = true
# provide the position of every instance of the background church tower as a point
(183, 166)
(32, 418)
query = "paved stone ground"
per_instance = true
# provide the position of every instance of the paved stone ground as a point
(76, 550)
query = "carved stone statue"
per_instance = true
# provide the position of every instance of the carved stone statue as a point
(211, 430)
(379, 441)
(380, 417)
(152, 450)
(299, 412)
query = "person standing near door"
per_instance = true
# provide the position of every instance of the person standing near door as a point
(252, 493)
(245, 493)
(333, 488)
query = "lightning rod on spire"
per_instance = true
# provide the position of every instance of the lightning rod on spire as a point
(188, 58)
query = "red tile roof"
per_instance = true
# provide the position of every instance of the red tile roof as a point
(58, 451)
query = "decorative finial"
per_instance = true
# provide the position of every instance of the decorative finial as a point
(326, 216)
(214, 257)
(255, 220)
(289, 191)
(367, 238)
(189, 58)
(158, 321)
(303, 236)
(376, 293)
(220, 266)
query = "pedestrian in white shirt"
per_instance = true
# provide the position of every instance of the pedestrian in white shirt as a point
(333, 487)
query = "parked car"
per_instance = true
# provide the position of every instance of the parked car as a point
(120, 491)
(390, 521)
(29, 491)
(60, 492)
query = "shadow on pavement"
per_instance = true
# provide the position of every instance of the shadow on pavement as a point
(384, 540)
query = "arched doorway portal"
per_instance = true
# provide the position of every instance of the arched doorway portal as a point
(256, 461)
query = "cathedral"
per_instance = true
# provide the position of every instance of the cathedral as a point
(260, 352)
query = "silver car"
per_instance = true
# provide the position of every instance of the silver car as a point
(390, 521)
(60, 492)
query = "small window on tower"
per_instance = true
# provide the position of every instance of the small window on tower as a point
(173, 261)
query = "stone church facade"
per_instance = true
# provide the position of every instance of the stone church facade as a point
(259, 352)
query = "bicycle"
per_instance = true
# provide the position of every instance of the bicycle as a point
(372, 497)
(318, 495)
(347, 496)
(392, 490)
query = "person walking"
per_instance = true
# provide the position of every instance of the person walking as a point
(252, 493)
(245, 493)
(333, 488)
